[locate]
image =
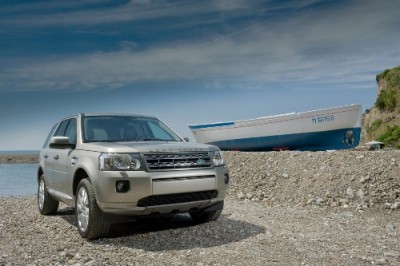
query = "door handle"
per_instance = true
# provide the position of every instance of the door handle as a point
(45, 156)
(56, 157)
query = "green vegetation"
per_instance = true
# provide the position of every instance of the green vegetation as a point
(391, 137)
(389, 97)
(375, 125)
(387, 127)
(386, 100)
(382, 75)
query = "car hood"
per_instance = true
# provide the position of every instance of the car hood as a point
(147, 146)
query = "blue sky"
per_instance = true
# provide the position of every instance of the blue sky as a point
(187, 61)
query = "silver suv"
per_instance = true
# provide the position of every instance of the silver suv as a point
(118, 166)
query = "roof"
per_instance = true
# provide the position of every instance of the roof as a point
(116, 114)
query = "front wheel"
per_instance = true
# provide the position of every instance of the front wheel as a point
(90, 220)
(46, 204)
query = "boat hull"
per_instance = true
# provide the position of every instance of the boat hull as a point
(313, 141)
(325, 129)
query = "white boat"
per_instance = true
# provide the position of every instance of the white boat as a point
(324, 129)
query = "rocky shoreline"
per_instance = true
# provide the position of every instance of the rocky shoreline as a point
(358, 179)
(18, 158)
(282, 208)
(350, 178)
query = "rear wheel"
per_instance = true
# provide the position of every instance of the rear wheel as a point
(89, 217)
(46, 204)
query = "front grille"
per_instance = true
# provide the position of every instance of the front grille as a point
(177, 198)
(160, 161)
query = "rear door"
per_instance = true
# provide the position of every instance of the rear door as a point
(46, 158)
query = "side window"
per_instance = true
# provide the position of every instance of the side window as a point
(71, 131)
(62, 128)
(68, 128)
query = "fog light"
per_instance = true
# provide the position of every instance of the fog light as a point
(122, 186)
(226, 179)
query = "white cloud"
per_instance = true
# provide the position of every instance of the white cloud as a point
(338, 45)
(67, 14)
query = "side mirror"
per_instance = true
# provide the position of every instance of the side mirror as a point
(60, 142)
(186, 139)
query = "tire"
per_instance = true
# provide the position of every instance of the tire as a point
(46, 204)
(205, 217)
(89, 217)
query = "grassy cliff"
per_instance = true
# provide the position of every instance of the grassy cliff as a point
(382, 122)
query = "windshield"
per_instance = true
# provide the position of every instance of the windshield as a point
(125, 128)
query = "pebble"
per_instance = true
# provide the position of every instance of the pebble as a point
(395, 206)
(390, 227)
(392, 254)
(365, 179)
(320, 200)
(350, 192)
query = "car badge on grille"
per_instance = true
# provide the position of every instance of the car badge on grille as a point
(201, 162)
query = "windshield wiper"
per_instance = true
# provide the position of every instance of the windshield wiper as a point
(123, 140)
(103, 140)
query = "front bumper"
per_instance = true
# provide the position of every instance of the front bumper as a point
(170, 184)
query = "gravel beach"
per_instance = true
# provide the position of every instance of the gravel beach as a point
(283, 208)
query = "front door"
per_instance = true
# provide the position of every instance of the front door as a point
(62, 156)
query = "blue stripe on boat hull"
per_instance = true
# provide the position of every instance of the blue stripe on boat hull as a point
(212, 125)
(311, 141)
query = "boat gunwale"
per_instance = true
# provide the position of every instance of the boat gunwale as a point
(276, 119)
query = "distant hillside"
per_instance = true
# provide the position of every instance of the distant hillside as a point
(382, 121)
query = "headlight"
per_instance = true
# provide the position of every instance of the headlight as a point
(120, 161)
(217, 159)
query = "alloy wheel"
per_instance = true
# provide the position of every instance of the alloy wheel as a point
(82, 209)
(41, 194)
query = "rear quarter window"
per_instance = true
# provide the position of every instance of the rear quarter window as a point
(46, 143)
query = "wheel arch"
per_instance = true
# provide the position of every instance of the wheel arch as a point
(39, 173)
(79, 175)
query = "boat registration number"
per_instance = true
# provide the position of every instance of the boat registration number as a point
(323, 119)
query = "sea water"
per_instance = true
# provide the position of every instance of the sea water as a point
(18, 179)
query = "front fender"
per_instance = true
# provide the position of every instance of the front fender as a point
(86, 166)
